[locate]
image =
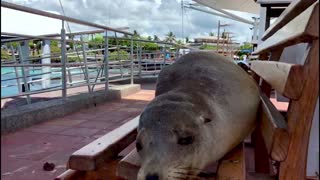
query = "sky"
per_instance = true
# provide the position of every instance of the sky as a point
(148, 17)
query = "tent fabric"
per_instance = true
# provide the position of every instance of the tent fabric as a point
(249, 6)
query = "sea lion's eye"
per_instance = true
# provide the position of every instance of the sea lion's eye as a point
(206, 120)
(138, 146)
(186, 140)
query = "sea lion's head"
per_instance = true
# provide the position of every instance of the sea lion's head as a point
(171, 140)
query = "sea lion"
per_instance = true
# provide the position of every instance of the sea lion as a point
(205, 105)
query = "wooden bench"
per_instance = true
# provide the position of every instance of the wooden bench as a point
(279, 143)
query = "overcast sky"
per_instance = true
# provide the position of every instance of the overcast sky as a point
(148, 17)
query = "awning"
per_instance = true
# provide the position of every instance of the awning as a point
(249, 6)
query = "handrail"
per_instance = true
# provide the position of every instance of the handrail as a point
(56, 16)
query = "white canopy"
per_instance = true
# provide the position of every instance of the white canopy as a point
(249, 6)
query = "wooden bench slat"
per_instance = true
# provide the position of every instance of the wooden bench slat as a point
(295, 7)
(286, 78)
(303, 28)
(274, 130)
(232, 166)
(70, 174)
(129, 166)
(94, 154)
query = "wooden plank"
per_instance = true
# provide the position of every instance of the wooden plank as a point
(70, 175)
(286, 78)
(104, 148)
(300, 115)
(232, 166)
(129, 166)
(295, 7)
(302, 28)
(274, 130)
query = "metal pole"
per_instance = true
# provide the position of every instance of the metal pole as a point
(164, 57)
(106, 62)
(25, 82)
(140, 48)
(16, 69)
(85, 64)
(131, 68)
(218, 36)
(63, 61)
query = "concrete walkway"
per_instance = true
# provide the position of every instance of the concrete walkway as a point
(23, 153)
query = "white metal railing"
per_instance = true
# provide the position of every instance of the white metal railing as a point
(91, 70)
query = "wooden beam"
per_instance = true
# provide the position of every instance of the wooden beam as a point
(70, 174)
(300, 115)
(274, 129)
(296, 7)
(286, 78)
(105, 148)
(232, 166)
(129, 166)
(303, 28)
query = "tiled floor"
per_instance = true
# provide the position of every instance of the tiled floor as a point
(23, 153)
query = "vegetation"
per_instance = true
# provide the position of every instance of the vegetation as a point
(170, 37)
(208, 47)
(187, 39)
(156, 38)
(245, 46)
(5, 55)
(211, 34)
(123, 55)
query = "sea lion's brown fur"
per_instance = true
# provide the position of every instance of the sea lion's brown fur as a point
(204, 106)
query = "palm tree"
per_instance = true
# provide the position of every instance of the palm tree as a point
(136, 34)
(156, 38)
(211, 34)
(149, 38)
(187, 39)
(170, 37)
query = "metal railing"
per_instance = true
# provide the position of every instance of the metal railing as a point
(93, 66)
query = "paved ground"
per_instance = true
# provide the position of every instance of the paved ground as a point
(23, 153)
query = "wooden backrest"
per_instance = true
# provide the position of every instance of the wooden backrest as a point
(286, 139)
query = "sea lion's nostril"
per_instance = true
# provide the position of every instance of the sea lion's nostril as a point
(138, 146)
(152, 177)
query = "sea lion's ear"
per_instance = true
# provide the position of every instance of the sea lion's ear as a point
(204, 119)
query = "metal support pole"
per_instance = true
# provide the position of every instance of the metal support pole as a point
(16, 69)
(164, 57)
(118, 55)
(63, 61)
(25, 81)
(85, 64)
(131, 67)
(140, 64)
(139, 59)
(106, 62)
(218, 36)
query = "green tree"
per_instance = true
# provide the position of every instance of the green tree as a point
(149, 38)
(224, 34)
(98, 41)
(136, 35)
(211, 34)
(156, 38)
(151, 46)
(170, 37)
(246, 46)
(5, 55)
(187, 39)
(119, 55)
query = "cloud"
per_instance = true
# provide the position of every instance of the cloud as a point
(148, 17)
